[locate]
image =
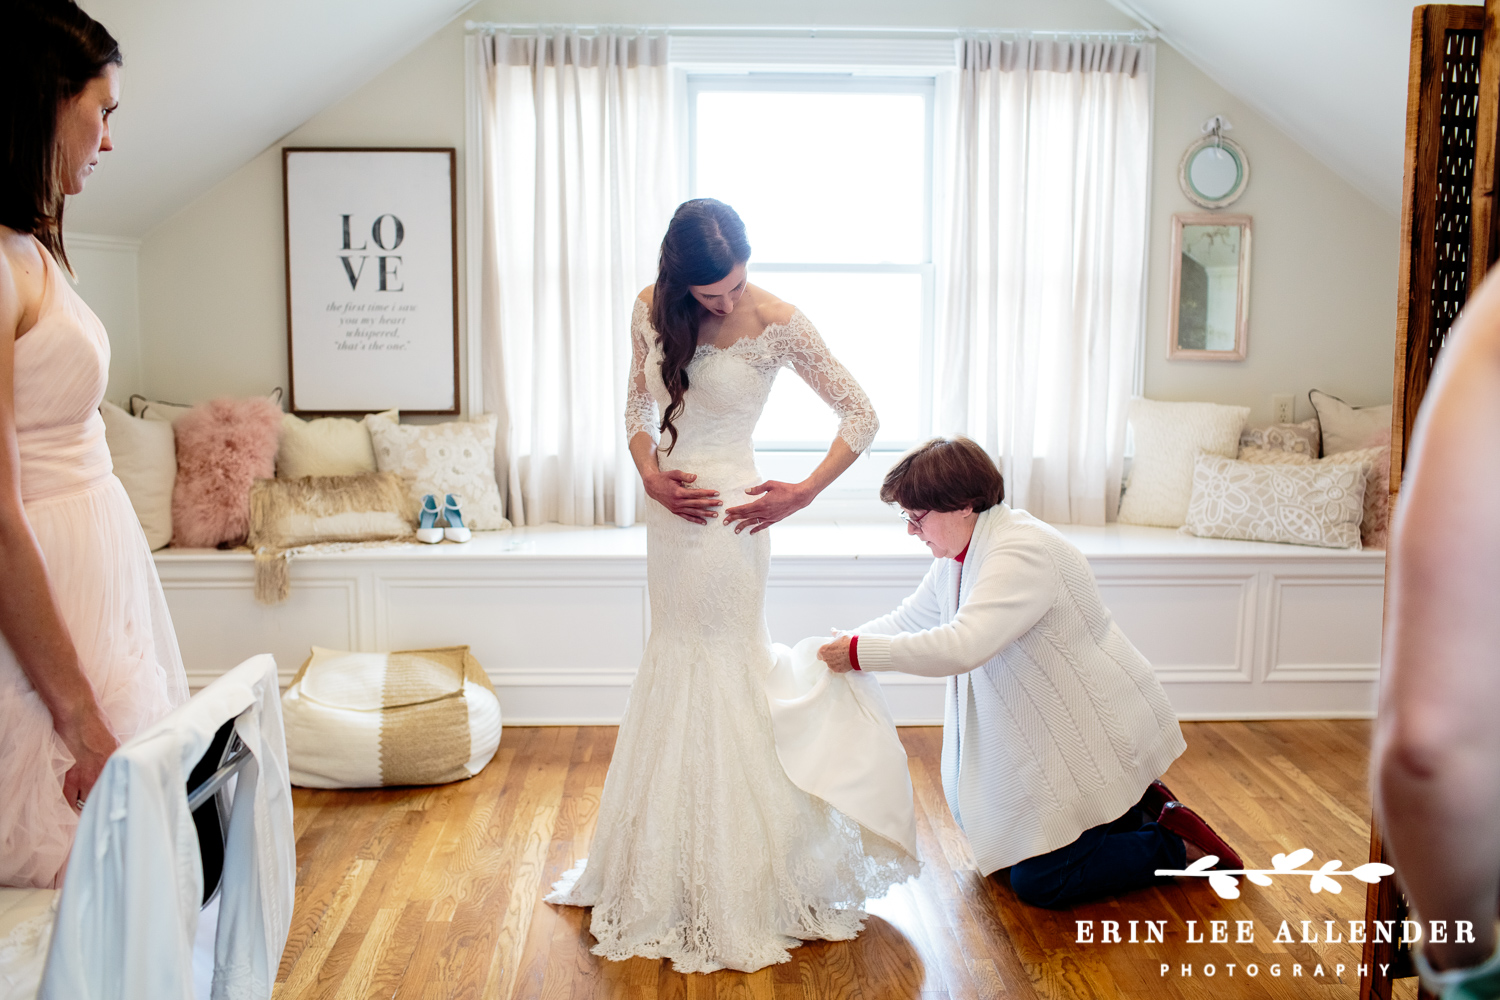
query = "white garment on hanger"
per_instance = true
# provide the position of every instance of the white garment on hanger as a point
(836, 739)
(129, 909)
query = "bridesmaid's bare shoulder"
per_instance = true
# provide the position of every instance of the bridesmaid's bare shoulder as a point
(648, 295)
(22, 281)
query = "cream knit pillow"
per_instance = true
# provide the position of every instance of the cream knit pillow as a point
(1168, 437)
(144, 453)
(329, 446)
(457, 457)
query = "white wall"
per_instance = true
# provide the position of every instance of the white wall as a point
(212, 280)
(108, 281)
(1323, 261)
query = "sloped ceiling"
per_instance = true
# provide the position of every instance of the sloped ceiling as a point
(208, 85)
(1331, 74)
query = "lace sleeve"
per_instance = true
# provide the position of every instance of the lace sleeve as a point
(640, 407)
(799, 345)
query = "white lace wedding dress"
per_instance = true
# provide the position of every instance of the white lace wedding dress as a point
(704, 851)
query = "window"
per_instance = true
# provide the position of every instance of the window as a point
(832, 174)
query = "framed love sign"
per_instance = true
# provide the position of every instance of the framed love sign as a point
(371, 280)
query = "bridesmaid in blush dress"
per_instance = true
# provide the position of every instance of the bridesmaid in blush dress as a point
(87, 653)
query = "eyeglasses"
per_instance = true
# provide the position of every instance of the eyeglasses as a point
(914, 520)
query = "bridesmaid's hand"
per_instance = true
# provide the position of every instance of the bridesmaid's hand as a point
(672, 490)
(780, 500)
(90, 742)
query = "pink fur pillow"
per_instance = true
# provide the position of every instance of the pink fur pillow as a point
(223, 446)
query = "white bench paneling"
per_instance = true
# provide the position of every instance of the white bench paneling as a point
(219, 624)
(1191, 628)
(559, 616)
(1325, 629)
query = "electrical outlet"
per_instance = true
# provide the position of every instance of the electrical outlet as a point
(1282, 407)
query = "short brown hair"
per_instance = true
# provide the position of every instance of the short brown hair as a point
(945, 474)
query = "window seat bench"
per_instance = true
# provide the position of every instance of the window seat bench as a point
(559, 615)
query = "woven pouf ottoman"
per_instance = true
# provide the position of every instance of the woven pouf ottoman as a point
(363, 720)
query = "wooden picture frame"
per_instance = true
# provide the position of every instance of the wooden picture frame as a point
(1202, 324)
(371, 237)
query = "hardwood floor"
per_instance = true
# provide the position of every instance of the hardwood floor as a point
(435, 893)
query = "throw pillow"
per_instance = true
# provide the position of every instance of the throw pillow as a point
(160, 410)
(1346, 427)
(287, 513)
(457, 457)
(223, 446)
(1299, 438)
(1167, 438)
(362, 720)
(1311, 504)
(144, 454)
(329, 446)
(156, 409)
(1374, 526)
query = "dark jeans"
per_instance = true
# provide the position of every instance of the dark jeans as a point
(1104, 861)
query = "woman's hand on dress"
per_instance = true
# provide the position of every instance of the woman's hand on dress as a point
(672, 489)
(777, 500)
(90, 742)
(836, 655)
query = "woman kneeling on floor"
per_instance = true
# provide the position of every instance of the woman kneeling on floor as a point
(1055, 729)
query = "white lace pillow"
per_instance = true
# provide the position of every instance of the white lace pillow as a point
(1305, 504)
(1377, 460)
(1167, 437)
(457, 457)
(1300, 439)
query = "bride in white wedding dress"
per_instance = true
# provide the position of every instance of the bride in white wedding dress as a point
(704, 851)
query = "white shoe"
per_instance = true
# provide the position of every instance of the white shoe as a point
(455, 532)
(427, 529)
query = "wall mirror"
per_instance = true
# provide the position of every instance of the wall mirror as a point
(1209, 301)
(1214, 172)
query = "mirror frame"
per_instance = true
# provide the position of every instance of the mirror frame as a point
(1242, 288)
(1197, 197)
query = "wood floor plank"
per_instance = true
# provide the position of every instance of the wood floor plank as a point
(309, 970)
(436, 893)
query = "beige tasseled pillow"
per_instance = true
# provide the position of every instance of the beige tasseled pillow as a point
(364, 720)
(288, 513)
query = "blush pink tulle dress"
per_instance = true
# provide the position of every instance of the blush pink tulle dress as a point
(101, 573)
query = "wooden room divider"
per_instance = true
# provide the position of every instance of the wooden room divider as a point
(1448, 242)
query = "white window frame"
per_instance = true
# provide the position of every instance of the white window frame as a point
(795, 458)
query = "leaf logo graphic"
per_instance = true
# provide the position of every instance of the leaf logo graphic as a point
(1324, 879)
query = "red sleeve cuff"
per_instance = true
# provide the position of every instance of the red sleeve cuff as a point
(854, 651)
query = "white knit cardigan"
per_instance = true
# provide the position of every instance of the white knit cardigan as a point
(1054, 722)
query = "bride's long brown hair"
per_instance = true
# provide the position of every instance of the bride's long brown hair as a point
(704, 241)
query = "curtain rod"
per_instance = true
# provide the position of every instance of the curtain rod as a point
(809, 31)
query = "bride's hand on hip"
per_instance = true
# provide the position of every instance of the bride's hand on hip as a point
(777, 500)
(673, 490)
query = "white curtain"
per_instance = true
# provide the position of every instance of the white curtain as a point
(1041, 264)
(579, 182)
